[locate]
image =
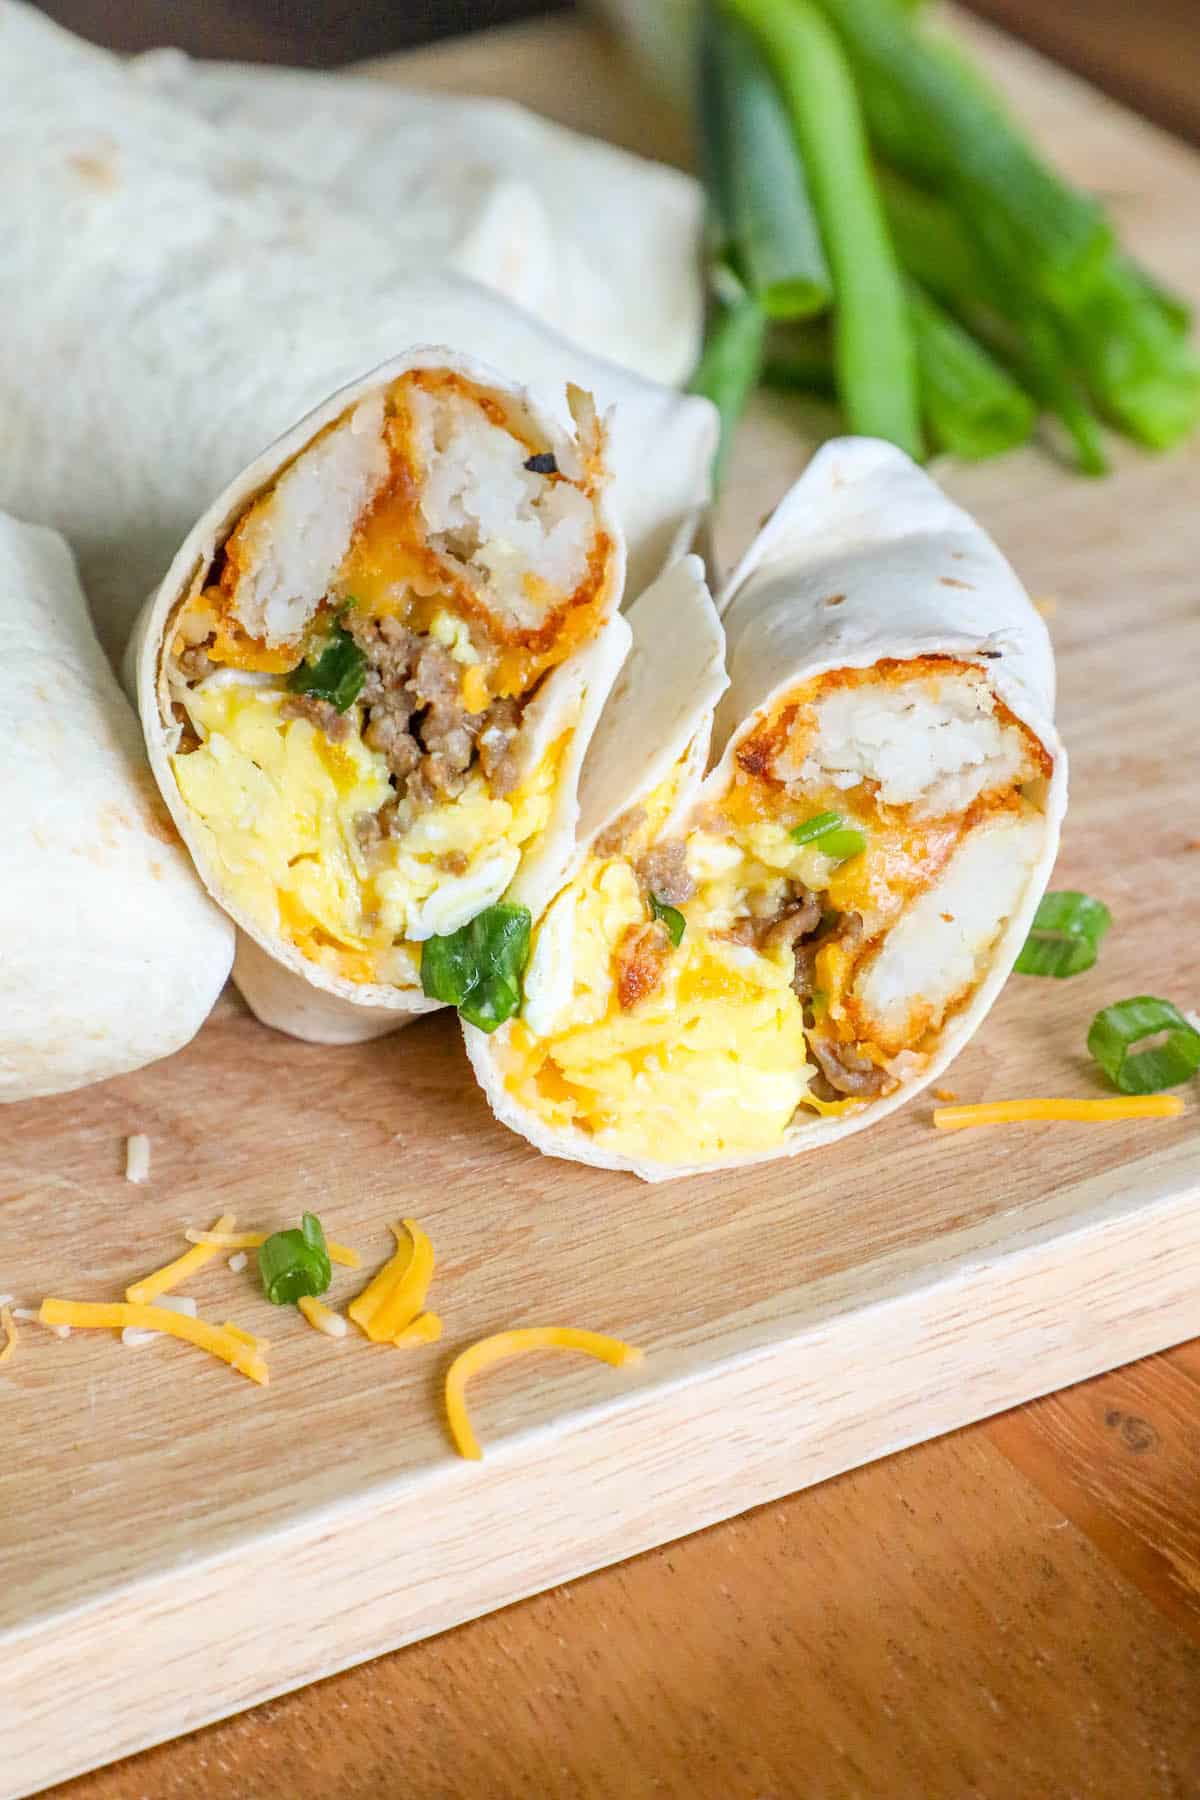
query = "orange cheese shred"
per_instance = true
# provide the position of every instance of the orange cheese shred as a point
(1024, 1112)
(426, 1328)
(163, 1280)
(396, 1295)
(321, 1317)
(505, 1344)
(9, 1325)
(250, 1240)
(259, 1345)
(115, 1315)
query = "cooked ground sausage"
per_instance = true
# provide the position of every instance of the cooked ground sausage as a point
(612, 840)
(846, 1070)
(663, 872)
(326, 718)
(501, 723)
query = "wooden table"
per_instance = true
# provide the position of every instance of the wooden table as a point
(1013, 1611)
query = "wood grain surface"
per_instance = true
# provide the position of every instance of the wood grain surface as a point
(1010, 1612)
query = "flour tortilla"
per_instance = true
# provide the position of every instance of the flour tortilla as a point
(658, 719)
(110, 953)
(284, 988)
(172, 306)
(865, 559)
(603, 245)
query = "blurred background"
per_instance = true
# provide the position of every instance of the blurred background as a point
(1147, 52)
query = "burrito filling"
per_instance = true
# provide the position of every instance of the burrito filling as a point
(350, 679)
(798, 947)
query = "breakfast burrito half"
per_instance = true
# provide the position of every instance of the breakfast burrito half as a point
(812, 938)
(111, 954)
(369, 679)
(209, 302)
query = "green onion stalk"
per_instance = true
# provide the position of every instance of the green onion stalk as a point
(762, 224)
(874, 350)
(729, 368)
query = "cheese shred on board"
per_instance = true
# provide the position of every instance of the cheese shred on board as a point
(426, 1328)
(322, 1317)
(1024, 1112)
(505, 1344)
(163, 1280)
(394, 1298)
(9, 1326)
(257, 1344)
(115, 1315)
(251, 1240)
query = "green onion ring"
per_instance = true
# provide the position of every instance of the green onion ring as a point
(1115, 1031)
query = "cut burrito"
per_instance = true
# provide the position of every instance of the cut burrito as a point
(111, 954)
(815, 935)
(207, 304)
(369, 679)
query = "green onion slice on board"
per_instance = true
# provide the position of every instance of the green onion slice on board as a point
(295, 1263)
(1116, 1030)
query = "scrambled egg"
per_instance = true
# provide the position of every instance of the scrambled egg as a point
(715, 1059)
(278, 801)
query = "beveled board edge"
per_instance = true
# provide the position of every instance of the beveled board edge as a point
(160, 1657)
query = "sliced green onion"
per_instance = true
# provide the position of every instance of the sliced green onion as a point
(938, 120)
(295, 1263)
(671, 917)
(842, 845)
(478, 968)
(1115, 1031)
(1043, 366)
(337, 675)
(761, 213)
(932, 244)
(1065, 935)
(874, 350)
(973, 407)
(800, 359)
(728, 371)
(1143, 374)
(1016, 328)
(816, 827)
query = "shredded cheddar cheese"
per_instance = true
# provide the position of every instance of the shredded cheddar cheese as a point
(9, 1325)
(1022, 1112)
(114, 1316)
(504, 1344)
(322, 1317)
(393, 1298)
(257, 1344)
(142, 1292)
(426, 1328)
(250, 1240)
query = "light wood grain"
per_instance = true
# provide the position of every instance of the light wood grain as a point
(929, 1628)
(798, 1319)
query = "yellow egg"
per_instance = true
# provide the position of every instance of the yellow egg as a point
(278, 803)
(714, 1060)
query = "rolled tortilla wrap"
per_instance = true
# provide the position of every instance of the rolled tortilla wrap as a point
(483, 187)
(111, 953)
(370, 676)
(856, 875)
(207, 304)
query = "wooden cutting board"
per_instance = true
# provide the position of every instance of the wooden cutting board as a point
(176, 1544)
